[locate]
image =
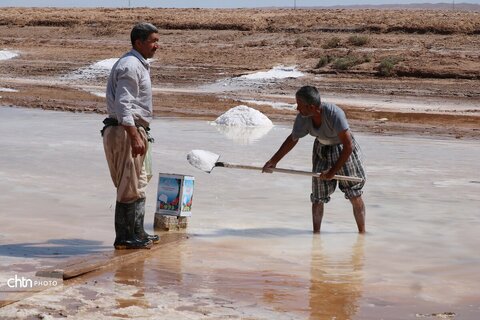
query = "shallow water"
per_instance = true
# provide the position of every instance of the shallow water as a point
(251, 248)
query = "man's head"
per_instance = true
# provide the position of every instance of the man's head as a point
(308, 100)
(144, 38)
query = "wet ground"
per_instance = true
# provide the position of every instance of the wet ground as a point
(251, 253)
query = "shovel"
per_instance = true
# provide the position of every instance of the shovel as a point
(207, 161)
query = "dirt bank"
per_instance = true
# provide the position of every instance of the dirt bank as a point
(397, 56)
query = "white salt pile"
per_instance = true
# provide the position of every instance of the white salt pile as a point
(100, 68)
(243, 135)
(243, 124)
(202, 159)
(7, 90)
(243, 116)
(279, 72)
(5, 54)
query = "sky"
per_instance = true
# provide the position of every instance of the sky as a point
(207, 3)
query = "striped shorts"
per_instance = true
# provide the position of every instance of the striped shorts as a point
(324, 157)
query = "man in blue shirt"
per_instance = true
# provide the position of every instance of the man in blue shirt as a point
(335, 151)
(125, 136)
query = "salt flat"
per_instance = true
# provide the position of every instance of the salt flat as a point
(251, 252)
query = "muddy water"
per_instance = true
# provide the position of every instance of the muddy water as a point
(251, 253)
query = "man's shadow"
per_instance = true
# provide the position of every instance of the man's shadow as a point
(335, 281)
(53, 248)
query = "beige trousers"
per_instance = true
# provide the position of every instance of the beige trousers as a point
(128, 173)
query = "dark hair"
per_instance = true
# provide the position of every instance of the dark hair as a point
(142, 31)
(309, 95)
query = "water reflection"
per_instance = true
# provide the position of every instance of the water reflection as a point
(336, 281)
(243, 135)
(145, 275)
(132, 275)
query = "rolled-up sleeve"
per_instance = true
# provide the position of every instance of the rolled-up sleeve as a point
(126, 96)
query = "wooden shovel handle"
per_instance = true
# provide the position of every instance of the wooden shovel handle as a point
(281, 170)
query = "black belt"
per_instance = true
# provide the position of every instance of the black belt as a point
(108, 122)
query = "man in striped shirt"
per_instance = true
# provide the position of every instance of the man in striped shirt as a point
(334, 151)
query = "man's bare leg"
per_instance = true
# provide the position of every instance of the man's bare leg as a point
(359, 212)
(317, 215)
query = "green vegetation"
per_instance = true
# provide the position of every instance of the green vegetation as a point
(301, 42)
(358, 40)
(323, 61)
(331, 43)
(349, 61)
(386, 67)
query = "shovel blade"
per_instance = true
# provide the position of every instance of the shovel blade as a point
(203, 160)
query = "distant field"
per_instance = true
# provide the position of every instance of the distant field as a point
(358, 20)
(415, 55)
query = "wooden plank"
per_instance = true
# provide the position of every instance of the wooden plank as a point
(7, 298)
(77, 267)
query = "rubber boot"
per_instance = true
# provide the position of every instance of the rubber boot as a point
(120, 227)
(128, 240)
(139, 221)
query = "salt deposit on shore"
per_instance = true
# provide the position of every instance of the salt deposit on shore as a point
(6, 54)
(273, 104)
(97, 69)
(100, 68)
(7, 90)
(279, 72)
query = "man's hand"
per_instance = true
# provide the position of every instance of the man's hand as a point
(347, 149)
(268, 166)
(285, 148)
(327, 174)
(138, 146)
(136, 140)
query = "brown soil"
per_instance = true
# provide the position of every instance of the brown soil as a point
(433, 55)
